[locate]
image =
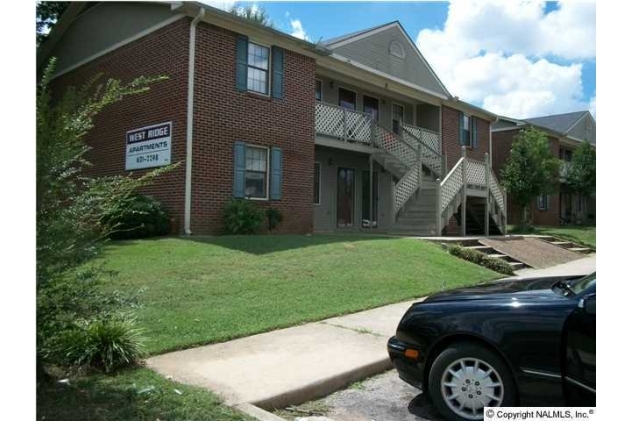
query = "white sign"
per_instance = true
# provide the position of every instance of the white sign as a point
(148, 147)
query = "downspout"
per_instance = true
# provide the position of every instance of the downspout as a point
(189, 122)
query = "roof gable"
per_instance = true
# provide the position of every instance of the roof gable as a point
(389, 49)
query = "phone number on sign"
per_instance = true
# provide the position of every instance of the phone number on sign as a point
(147, 158)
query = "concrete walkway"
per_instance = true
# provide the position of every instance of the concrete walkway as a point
(294, 365)
(289, 366)
(583, 266)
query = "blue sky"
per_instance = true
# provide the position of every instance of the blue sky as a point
(521, 60)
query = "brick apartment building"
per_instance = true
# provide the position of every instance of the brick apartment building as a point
(353, 133)
(565, 133)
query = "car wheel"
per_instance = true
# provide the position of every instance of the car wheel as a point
(465, 378)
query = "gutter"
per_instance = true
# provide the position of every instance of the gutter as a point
(189, 122)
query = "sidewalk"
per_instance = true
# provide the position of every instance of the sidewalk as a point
(583, 266)
(297, 364)
(289, 366)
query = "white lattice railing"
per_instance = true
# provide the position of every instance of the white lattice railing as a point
(428, 137)
(406, 187)
(476, 173)
(496, 193)
(395, 146)
(451, 185)
(343, 123)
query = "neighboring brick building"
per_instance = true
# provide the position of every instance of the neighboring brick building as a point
(251, 112)
(565, 132)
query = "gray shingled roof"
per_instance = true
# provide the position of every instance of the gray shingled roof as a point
(353, 34)
(560, 123)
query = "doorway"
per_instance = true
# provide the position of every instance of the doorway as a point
(345, 197)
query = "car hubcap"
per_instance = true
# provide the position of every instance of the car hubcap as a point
(470, 384)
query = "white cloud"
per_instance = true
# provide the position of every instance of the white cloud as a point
(297, 30)
(491, 53)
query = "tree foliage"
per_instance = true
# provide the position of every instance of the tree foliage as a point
(70, 207)
(581, 176)
(531, 169)
(254, 13)
(47, 14)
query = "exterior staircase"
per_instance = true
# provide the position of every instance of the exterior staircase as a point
(423, 198)
(492, 252)
(568, 245)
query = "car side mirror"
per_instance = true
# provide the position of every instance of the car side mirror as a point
(588, 304)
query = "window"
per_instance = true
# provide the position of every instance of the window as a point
(397, 117)
(347, 99)
(543, 202)
(316, 183)
(256, 172)
(466, 130)
(258, 68)
(318, 90)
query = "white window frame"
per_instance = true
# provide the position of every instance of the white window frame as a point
(321, 90)
(269, 68)
(392, 115)
(267, 171)
(319, 202)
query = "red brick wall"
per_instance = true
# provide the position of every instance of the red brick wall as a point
(451, 137)
(163, 52)
(502, 143)
(223, 115)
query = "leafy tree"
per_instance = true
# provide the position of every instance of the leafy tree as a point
(581, 176)
(47, 14)
(254, 13)
(531, 170)
(70, 210)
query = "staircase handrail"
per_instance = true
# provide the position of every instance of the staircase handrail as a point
(451, 185)
(406, 127)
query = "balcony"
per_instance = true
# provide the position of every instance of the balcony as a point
(348, 125)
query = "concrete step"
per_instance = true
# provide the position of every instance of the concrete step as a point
(483, 249)
(561, 243)
(499, 256)
(517, 265)
(580, 249)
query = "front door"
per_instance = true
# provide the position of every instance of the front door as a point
(345, 197)
(366, 198)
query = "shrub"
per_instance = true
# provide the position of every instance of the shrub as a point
(479, 258)
(138, 217)
(104, 344)
(274, 217)
(242, 216)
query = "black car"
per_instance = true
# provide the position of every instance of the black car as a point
(528, 342)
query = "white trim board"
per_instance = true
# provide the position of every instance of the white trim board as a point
(119, 44)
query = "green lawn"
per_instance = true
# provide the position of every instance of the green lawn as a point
(134, 394)
(577, 233)
(196, 291)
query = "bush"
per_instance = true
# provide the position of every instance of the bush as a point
(479, 258)
(138, 217)
(104, 344)
(274, 217)
(242, 216)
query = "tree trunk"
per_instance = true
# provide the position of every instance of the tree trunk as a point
(524, 218)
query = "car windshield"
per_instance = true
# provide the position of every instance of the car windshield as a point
(583, 283)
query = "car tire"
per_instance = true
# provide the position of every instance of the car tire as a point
(464, 377)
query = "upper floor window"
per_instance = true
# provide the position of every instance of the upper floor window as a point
(258, 68)
(466, 130)
(318, 90)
